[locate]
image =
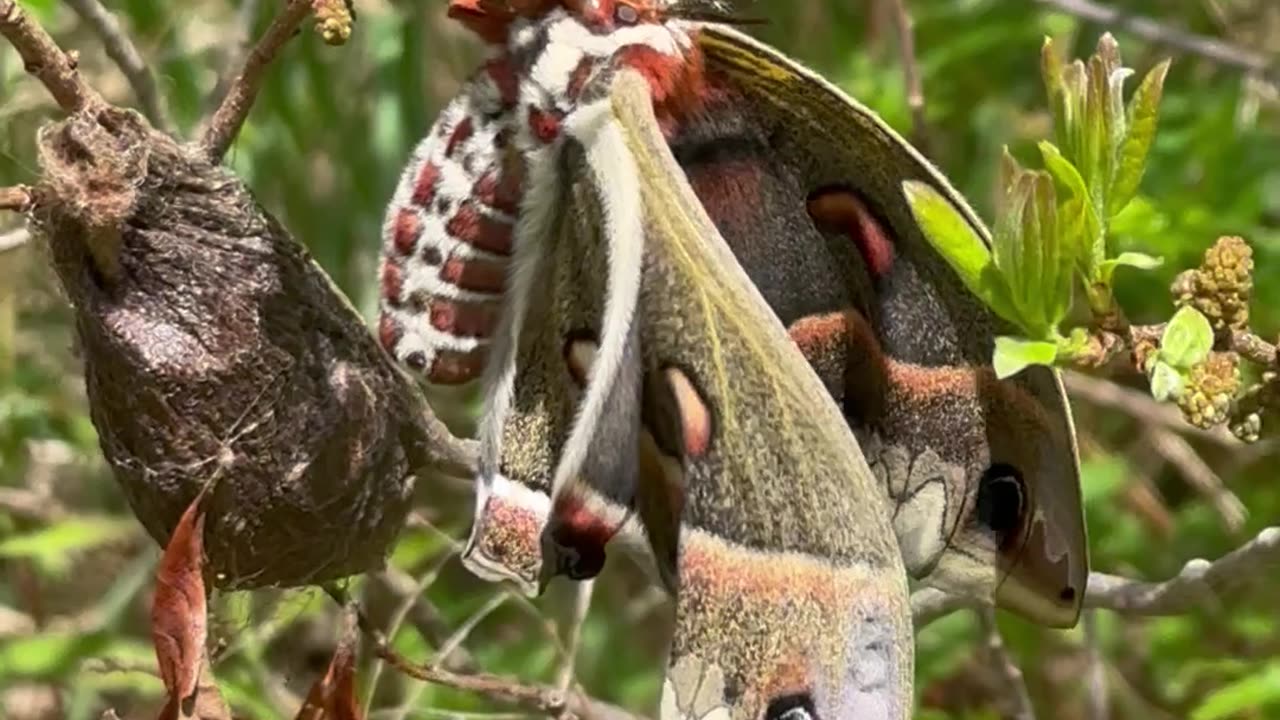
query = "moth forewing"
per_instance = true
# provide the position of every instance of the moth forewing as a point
(781, 525)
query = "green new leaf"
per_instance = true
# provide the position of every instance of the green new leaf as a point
(1252, 693)
(1085, 242)
(1166, 381)
(1187, 340)
(51, 547)
(1144, 111)
(1013, 355)
(959, 244)
(1138, 260)
(1051, 70)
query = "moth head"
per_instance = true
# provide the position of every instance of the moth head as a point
(767, 635)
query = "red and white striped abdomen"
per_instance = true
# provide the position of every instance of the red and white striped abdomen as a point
(447, 237)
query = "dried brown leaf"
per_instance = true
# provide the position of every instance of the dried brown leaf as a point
(179, 611)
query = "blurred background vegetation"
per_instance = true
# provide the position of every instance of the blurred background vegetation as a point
(323, 150)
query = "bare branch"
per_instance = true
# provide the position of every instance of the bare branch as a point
(420, 612)
(235, 50)
(1200, 581)
(1175, 449)
(929, 604)
(1099, 698)
(459, 636)
(905, 27)
(125, 55)
(234, 108)
(45, 60)
(16, 198)
(537, 698)
(1140, 406)
(1152, 31)
(581, 606)
(14, 239)
(1017, 697)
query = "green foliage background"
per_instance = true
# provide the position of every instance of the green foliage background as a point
(323, 150)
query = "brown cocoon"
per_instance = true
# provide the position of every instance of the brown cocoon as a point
(214, 346)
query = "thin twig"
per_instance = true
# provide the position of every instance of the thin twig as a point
(573, 638)
(234, 107)
(1179, 453)
(1099, 702)
(16, 198)
(1213, 49)
(1199, 582)
(905, 27)
(125, 55)
(538, 698)
(45, 60)
(14, 239)
(1017, 696)
(31, 505)
(1140, 406)
(420, 612)
(464, 630)
(235, 50)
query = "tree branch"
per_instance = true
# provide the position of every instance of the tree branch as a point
(537, 698)
(1152, 31)
(16, 198)
(905, 27)
(234, 108)
(1018, 698)
(1140, 406)
(1198, 581)
(45, 60)
(125, 55)
(1178, 452)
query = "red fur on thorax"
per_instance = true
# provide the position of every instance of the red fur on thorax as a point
(678, 84)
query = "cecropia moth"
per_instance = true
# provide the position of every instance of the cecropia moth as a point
(706, 324)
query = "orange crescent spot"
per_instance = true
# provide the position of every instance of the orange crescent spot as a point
(695, 418)
(843, 211)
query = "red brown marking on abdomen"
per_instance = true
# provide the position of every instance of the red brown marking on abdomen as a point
(500, 192)
(389, 333)
(504, 77)
(406, 231)
(463, 318)
(392, 282)
(473, 228)
(452, 367)
(840, 210)
(461, 134)
(424, 188)
(474, 274)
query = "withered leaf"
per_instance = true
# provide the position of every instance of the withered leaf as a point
(333, 696)
(179, 610)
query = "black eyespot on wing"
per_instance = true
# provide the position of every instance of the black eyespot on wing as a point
(1002, 501)
(798, 706)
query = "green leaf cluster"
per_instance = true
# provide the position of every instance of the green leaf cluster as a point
(1052, 224)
